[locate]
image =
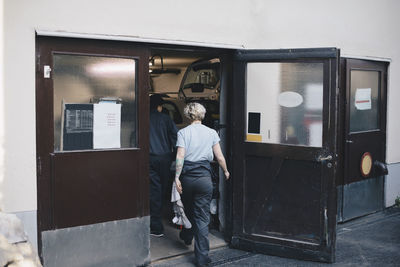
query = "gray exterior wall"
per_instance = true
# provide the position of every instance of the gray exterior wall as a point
(29, 219)
(392, 184)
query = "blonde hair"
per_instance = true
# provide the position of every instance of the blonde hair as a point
(194, 111)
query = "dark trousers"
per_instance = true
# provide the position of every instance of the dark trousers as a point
(159, 177)
(196, 198)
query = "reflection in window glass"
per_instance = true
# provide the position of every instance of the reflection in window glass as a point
(364, 100)
(288, 98)
(94, 102)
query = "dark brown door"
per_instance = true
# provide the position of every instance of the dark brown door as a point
(92, 131)
(284, 147)
(365, 137)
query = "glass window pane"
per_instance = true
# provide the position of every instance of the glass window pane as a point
(94, 102)
(364, 100)
(284, 103)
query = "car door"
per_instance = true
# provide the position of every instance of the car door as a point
(284, 120)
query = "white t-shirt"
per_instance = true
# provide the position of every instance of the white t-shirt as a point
(198, 141)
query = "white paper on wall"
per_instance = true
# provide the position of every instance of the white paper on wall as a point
(106, 126)
(363, 99)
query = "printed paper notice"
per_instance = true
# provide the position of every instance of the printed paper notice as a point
(106, 126)
(363, 98)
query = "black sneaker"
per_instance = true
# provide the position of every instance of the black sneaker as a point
(186, 241)
(156, 233)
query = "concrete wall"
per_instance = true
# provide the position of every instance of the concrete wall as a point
(359, 28)
(29, 219)
(2, 117)
(392, 184)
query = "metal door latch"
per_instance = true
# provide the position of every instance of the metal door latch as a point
(46, 71)
(321, 158)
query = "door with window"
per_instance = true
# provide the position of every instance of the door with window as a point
(365, 137)
(92, 131)
(284, 146)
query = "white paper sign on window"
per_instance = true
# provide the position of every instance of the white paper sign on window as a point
(106, 126)
(363, 99)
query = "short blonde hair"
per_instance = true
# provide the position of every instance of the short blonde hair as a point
(194, 111)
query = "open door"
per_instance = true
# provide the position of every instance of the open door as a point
(284, 142)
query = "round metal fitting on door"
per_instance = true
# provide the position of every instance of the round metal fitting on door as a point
(366, 164)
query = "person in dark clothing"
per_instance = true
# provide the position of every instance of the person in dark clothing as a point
(162, 144)
(196, 147)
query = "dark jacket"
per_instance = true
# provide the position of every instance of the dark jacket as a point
(162, 133)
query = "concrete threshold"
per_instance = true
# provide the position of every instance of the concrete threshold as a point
(184, 256)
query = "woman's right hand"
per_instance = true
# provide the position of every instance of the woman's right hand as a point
(178, 186)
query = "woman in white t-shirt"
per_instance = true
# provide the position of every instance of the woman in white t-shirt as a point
(197, 145)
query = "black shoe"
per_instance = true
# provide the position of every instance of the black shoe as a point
(157, 233)
(207, 263)
(186, 241)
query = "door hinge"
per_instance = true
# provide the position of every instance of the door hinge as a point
(38, 62)
(39, 166)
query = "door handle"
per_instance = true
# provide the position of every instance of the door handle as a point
(349, 141)
(322, 159)
(381, 167)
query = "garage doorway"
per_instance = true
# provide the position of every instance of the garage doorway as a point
(183, 75)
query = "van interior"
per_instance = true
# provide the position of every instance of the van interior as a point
(181, 76)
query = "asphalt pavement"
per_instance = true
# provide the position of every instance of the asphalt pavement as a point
(372, 240)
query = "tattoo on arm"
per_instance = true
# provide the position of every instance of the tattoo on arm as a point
(179, 166)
